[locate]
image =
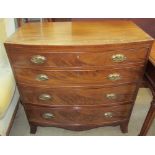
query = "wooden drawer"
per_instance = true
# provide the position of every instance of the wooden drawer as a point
(78, 115)
(52, 78)
(77, 59)
(78, 96)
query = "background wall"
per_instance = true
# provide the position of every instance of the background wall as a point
(7, 27)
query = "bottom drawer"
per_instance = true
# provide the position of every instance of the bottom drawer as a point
(93, 115)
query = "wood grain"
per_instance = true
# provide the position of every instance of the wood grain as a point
(100, 58)
(59, 78)
(77, 116)
(78, 96)
(78, 33)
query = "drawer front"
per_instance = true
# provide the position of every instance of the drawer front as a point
(77, 77)
(78, 59)
(78, 96)
(78, 115)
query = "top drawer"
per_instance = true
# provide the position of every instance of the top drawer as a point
(77, 59)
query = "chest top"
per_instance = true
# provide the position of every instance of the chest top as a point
(78, 33)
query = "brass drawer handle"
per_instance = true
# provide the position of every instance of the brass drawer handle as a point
(42, 77)
(119, 58)
(45, 97)
(38, 59)
(111, 96)
(114, 77)
(108, 114)
(48, 115)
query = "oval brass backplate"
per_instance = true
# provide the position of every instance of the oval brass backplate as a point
(48, 115)
(38, 59)
(114, 76)
(42, 77)
(118, 58)
(108, 114)
(45, 97)
(111, 96)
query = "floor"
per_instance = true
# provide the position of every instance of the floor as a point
(21, 126)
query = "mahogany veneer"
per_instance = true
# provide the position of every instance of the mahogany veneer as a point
(78, 75)
(98, 57)
(78, 116)
(78, 95)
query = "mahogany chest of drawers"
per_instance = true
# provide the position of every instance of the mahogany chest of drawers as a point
(78, 75)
